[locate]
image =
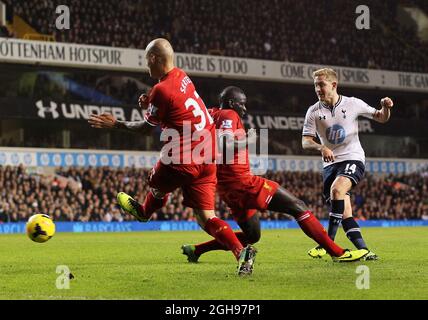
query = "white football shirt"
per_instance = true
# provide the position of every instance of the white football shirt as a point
(337, 127)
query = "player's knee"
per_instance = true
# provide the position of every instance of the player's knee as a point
(299, 206)
(253, 236)
(157, 194)
(296, 207)
(337, 192)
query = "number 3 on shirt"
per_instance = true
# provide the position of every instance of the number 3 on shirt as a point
(198, 112)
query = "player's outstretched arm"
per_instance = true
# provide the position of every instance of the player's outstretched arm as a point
(308, 143)
(384, 114)
(102, 121)
(135, 126)
(108, 121)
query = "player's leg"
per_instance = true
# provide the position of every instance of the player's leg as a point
(350, 226)
(349, 174)
(338, 191)
(236, 199)
(353, 230)
(199, 194)
(162, 180)
(339, 185)
(219, 229)
(250, 234)
(336, 206)
(265, 194)
(285, 202)
(251, 230)
(154, 200)
(223, 233)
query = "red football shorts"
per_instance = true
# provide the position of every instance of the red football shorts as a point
(246, 195)
(198, 183)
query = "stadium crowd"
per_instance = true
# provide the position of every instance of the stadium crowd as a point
(232, 28)
(88, 194)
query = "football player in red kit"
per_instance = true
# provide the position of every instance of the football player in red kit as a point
(245, 193)
(186, 161)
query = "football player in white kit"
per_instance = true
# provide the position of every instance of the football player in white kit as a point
(334, 118)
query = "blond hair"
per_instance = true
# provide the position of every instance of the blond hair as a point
(329, 74)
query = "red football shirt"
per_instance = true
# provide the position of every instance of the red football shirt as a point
(175, 104)
(227, 121)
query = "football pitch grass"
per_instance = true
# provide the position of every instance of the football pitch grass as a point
(149, 265)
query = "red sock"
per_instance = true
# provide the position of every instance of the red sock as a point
(224, 234)
(215, 245)
(151, 204)
(314, 229)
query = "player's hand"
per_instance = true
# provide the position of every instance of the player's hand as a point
(327, 154)
(104, 120)
(386, 103)
(143, 101)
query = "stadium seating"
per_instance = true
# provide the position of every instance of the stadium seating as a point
(231, 28)
(88, 194)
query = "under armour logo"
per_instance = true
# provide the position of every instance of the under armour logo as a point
(322, 117)
(43, 109)
(344, 114)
